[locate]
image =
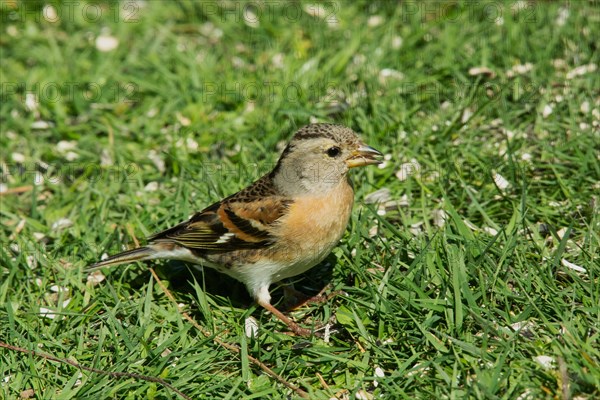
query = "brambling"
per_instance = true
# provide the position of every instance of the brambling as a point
(280, 226)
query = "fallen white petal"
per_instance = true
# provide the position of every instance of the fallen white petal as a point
(250, 18)
(18, 157)
(315, 10)
(417, 228)
(490, 231)
(466, 115)
(572, 266)
(379, 196)
(470, 225)
(71, 156)
(581, 70)
(327, 333)
(151, 186)
(31, 261)
(66, 145)
(501, 181)
(158, 162)
(46, 312)
(38, 178)
(584, 126)
(562, 231)
(402, 202)
(545, 361)
(165, 352)
(106, 43)
(38, 236)
(62, 224)
(439, 217)
(50, 14)
(517, 326)
(58, 289)
(526, 395)
(521, 69)
(191, 144)
(408, 169)
(363, 395)
(482, 71)
(388, 73)
(95, 278)
(251, 327)
(41, 125)
(183, 120)
(519, 6)
(373, 231)
(31, 102)
(375, 20)
(563, 15)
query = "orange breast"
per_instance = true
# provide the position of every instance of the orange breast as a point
(314, 225)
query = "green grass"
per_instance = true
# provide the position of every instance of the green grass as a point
(197, 101)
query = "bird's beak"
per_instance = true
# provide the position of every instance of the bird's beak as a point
(364, 155)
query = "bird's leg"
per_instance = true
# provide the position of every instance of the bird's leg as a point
(294, 327)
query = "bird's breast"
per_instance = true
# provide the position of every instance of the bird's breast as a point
(312, 227)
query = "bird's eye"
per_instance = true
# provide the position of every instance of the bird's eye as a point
(333, 151)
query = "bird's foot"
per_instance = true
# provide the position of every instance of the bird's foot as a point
(294, 327)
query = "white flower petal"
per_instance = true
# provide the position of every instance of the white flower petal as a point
(439, 217)
(18, 157)
(106, 43)
(501, 181)
(58, 289)
(251, 327)
(95, 278)
(62, 224)
(46, 312)
(65, 145)
(375, 20)
(581, 70)
(379, 196)
(250, 18)
(545, 361)
(151, 186)
(572, 266)
(41, 125)
(31, 102)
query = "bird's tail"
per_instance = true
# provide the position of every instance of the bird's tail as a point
(139, 254)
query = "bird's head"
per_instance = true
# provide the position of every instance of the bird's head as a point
(318, 158)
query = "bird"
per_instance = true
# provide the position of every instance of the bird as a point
(280, 226)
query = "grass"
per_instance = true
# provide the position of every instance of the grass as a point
(478, 277)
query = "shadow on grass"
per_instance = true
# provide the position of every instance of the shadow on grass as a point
(181, 277)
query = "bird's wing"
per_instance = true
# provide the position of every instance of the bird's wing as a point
(244, 220)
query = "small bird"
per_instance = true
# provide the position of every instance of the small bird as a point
(280, 226)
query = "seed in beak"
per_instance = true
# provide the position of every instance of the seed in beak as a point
(364, 155)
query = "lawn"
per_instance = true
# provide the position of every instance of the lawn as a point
(470, 268)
